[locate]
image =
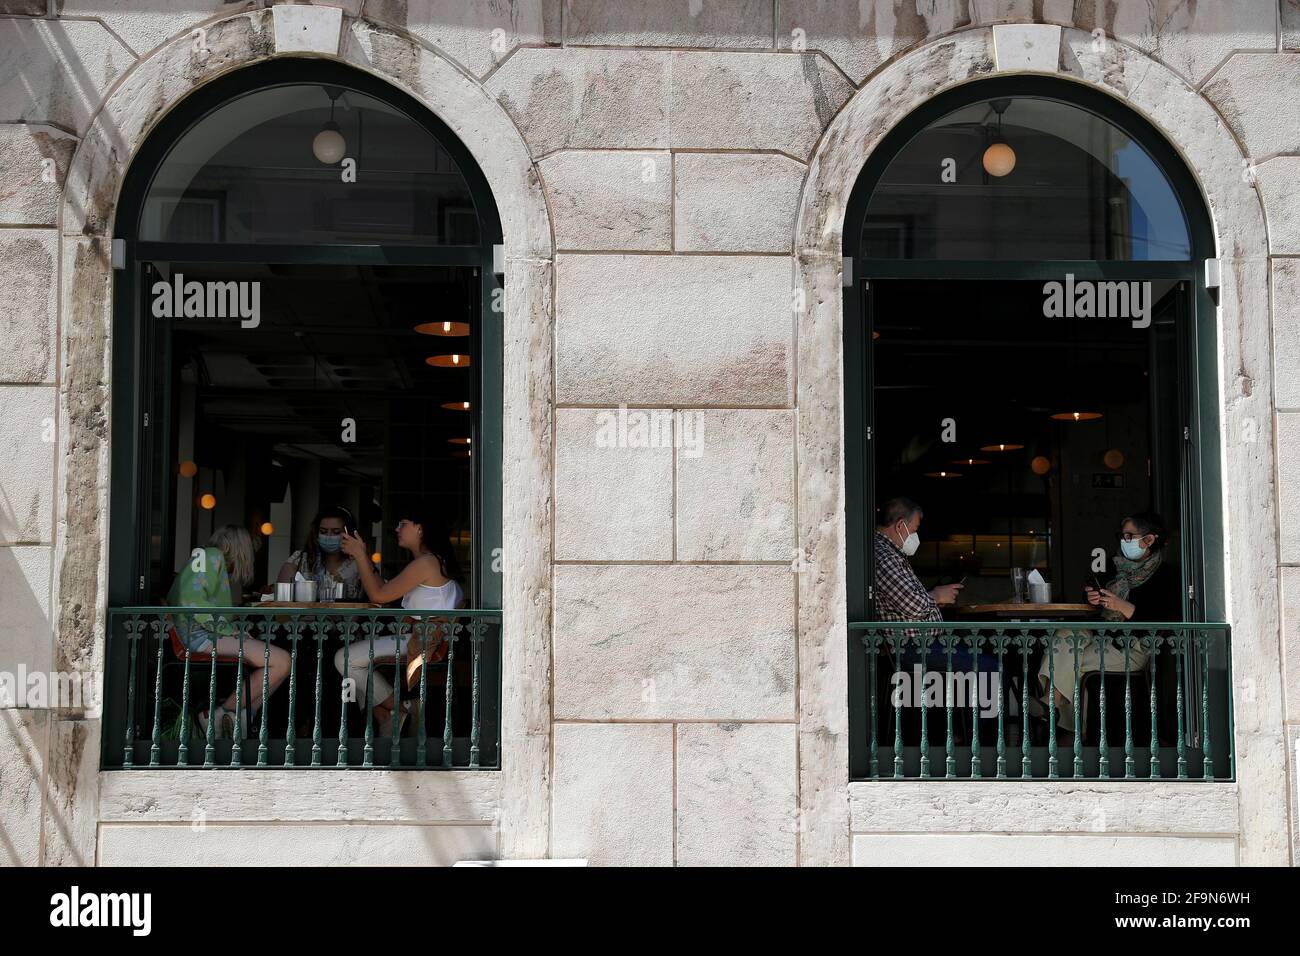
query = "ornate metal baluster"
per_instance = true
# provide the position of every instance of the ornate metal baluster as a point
(1103, 754)
(923, 647)
(976, 771)
(421, 746)
(450, 629)
(1025, 641)
(290, 735)
(237, 744)
(399, 678)
(348, 630)
(872, 647)
(1203, 648)
(368, 754)
(1076, 641)
(133, 639)
(319, 629)
(896, 643)
(476, 628)
(210, 750)
(1180, 673)
(183, 751)
(1049, 648)
(1130, 768)
(1000, 645)
(949, 758)
(1152, 643)
(155, 750)
(263, 752)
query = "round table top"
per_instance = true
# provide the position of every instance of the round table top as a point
(311, 604)
(1026, 610)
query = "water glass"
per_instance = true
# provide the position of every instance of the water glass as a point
(1018, 585)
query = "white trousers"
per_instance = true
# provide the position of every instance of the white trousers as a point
(388, 650)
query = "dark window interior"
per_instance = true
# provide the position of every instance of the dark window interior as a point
(978, 362)
(262, 414)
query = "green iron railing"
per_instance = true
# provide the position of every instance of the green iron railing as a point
(957, 700)
(317, 718)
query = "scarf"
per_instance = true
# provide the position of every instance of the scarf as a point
(1129, 575)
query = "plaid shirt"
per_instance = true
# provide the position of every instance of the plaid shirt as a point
(900, 595)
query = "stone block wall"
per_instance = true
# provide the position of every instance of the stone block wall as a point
(672, 176)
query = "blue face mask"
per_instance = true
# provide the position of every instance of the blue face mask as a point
(329, 543)
(1132, 549)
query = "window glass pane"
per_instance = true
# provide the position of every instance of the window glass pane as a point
(1024, 178)
(274, 167)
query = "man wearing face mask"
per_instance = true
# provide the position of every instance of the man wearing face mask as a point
(899, 594)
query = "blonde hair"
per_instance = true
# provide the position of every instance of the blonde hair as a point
(237, 548)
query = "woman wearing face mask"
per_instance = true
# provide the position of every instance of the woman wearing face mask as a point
(1144, 587)
(322, 558)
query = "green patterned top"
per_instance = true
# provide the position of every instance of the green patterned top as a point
(209, 587)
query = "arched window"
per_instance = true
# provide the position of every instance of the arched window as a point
(1029, 356)
(303, 328)
(1024, 177)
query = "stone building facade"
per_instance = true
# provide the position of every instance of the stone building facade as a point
(754, 118)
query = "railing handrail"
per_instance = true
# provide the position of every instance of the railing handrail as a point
(1019, 624)
(304, 611)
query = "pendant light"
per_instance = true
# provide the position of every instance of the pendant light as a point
(329, 146)
(999, 157)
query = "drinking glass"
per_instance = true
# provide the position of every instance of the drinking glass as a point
(1018, 585)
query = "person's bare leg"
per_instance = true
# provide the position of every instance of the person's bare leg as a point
(254, 654)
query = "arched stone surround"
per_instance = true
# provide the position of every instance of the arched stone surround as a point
(138, 101)
(1255, 806)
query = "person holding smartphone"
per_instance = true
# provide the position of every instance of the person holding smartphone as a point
(1143, 586)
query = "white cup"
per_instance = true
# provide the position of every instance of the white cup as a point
(284, 591)
(1040, 593)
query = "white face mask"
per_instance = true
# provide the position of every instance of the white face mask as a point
(910, 543)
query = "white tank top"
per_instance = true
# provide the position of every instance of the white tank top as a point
(426, 597)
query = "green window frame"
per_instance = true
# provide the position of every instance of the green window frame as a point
(1201, 481)
(131, 444)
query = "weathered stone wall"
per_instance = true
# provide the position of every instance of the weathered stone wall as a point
(669, 174)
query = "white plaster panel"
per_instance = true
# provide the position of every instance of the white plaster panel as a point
(861, 37)
(666, 642)
(306, 28)
(26, 639)
(735, 202)
(317, 844)
(1032, 47)
(1277, 180)
(613, 484)
(586, 99)
(673, 330)
(28, 320)
(27, 446)
(948, 850)
(35, 159)
(613, 795)
(735, 485)
(479, 36)
(753, 100)
(1257, 93)
(1286, 332)
(23, 735)
(736, 801)
(672, 23)
(610, 200)
(56, 72)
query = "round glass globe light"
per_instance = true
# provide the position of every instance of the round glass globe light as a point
(999, 159)
(329, 146)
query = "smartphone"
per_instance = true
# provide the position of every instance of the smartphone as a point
(1094, 582)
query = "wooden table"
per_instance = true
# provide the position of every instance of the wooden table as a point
(1026, 611)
